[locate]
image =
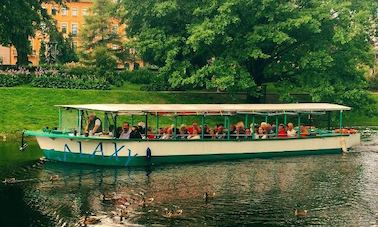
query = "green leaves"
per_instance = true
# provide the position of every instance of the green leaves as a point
(238, 45)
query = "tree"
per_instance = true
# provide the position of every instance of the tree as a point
(239, 45)
(99, 31)
(19, 19)
(64, 48)
(42, 53)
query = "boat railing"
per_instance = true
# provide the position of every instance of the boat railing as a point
(206, 137)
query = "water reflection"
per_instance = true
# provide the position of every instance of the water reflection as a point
(335, 189)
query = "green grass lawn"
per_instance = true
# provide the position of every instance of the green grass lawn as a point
(33, 108)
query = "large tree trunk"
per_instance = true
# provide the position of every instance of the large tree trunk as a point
(22, 45)
(256, 69)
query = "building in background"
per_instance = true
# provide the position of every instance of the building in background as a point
(69, 20)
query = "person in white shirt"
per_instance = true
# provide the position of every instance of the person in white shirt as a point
(291, 131)
(194, 135)
(125, 132)
(260, 134)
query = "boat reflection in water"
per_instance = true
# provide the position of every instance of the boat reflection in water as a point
(260, 191)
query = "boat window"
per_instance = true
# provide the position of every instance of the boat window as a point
(68, 120)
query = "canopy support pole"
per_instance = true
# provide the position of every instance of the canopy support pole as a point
(341, 120)
(276, 126)
(175, 127)
(266, 118)
(202, 126)
(146, 127)
(299, 125)
(228, 128)
(115, 126)
(79, 121)
(253, 127)
(60, 119)
(245, 125)
(285, 119)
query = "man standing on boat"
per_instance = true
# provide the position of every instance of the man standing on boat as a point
(93, 125)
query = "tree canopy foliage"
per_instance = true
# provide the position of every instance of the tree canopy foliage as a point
(19, 19)
(322, 47)
(100, 35)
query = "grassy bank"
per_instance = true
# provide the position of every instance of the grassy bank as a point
(32, 108)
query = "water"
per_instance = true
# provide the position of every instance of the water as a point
(337, 190)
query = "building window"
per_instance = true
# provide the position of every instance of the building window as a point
(85, 12)
(74, 29)
(64, 28)
(74, 12)
(64, 12)
(53, 11)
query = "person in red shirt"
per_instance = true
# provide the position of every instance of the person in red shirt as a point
(282, 131)
(150, 134)
(194, 126)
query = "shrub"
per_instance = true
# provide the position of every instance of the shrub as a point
(142, 76)
(373, 83)
(12, 77)
(58, 80)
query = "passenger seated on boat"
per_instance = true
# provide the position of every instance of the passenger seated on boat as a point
(93, 125)
(261, 134)
(183, 132)
(167, 133)
(282, 131)
(194, 135)
(304, 131)
(239, 130)
(220, 134)
(194, 126)
(265, 127)
(160, 133)
(269, 130)
(232, 129)
(125, 131)
(150, 134)
(291, 131)
(142, 127)
(135, 134)
(248, 132)
(211, 134)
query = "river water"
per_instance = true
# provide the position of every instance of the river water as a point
(336, 190)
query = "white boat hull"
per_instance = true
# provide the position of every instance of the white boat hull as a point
(136, 153)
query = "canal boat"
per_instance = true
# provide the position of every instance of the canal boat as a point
(74, 145)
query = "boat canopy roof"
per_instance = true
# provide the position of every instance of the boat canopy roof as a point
(211, 109)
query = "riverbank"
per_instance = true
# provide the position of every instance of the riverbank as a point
(32, 108)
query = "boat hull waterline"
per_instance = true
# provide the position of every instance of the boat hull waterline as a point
(115, 152)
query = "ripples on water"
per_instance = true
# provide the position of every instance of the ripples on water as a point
(335, 189)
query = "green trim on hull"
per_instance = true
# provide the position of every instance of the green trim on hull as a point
(159, 160)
